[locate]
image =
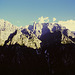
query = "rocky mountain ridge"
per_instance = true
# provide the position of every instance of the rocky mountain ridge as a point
(33, 35)
(41, 29)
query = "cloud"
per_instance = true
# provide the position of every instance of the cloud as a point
(43, 20)
(54, 19)
(70, 24)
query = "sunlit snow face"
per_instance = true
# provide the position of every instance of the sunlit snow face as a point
(70, 24)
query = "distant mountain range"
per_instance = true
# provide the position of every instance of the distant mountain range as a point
(33, 35)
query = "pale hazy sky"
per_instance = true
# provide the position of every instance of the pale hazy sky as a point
(24, 12)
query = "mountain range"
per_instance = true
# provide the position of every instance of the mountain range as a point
(38, 49)
(33, 35)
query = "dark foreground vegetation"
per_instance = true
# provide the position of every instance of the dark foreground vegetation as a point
(20, 60)
(51, 60)
(61, 59)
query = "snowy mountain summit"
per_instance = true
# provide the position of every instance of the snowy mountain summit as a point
(33, 35)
